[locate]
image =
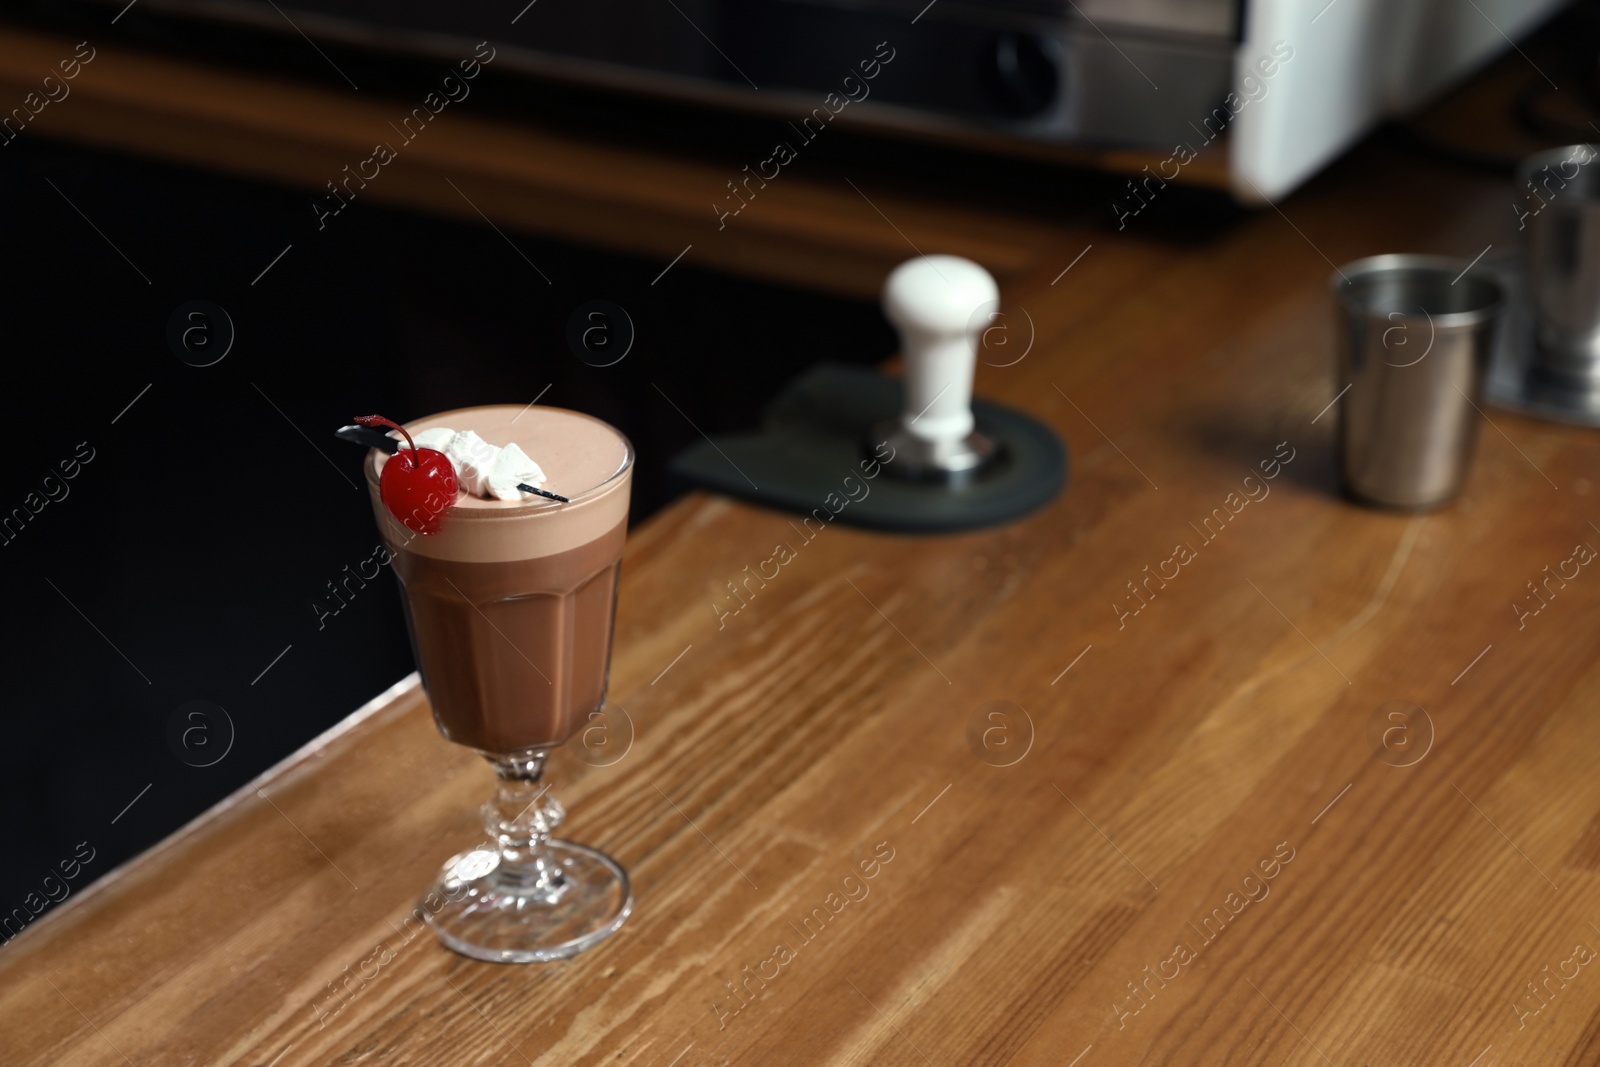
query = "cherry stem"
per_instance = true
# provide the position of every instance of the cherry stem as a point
(379, 420)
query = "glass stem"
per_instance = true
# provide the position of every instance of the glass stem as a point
(520, 819)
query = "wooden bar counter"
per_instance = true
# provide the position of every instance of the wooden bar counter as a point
(1209, 842)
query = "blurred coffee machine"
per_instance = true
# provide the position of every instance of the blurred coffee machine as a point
(1293, 82)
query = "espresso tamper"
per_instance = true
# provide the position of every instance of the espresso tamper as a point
(940, 305)
(917, 454)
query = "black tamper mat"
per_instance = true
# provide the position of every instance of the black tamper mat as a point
(809, 456)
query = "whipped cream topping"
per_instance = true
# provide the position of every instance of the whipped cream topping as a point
(483, 470)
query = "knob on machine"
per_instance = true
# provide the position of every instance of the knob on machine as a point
(920, 454)
(1023, 70)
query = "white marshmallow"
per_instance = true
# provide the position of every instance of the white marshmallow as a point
(473, 458)
(510, 467)
(482, 469)
(437, 437)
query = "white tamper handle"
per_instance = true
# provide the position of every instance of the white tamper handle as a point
(940, 305)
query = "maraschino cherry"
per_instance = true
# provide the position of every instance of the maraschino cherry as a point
(417, 484)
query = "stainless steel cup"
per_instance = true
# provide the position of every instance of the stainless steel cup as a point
(1558, 206)
(1414, 335)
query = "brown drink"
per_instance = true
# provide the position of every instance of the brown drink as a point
(510, 604)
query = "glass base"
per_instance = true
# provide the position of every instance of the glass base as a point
(570, 899)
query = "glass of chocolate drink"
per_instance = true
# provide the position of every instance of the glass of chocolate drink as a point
(510, 605)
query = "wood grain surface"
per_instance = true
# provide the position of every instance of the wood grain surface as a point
(1208, 843)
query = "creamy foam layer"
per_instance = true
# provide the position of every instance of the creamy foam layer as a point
(583, 458)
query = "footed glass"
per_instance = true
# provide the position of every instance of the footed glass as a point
(526, 897)
(510, 607)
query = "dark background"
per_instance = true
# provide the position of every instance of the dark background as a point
(205, 525)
